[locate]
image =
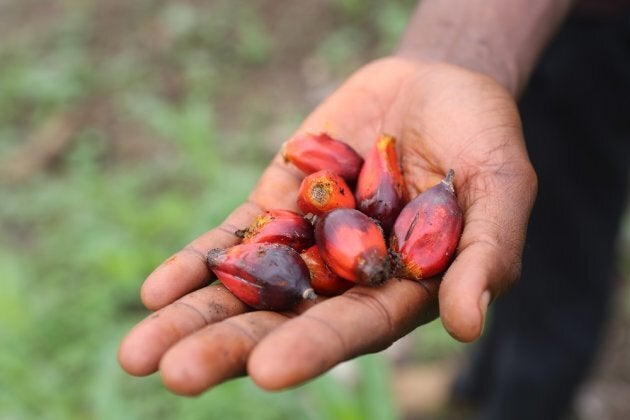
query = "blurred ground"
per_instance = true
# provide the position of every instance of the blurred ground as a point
(421, 385)
(128, 128)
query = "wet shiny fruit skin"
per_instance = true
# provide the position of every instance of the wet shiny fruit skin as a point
(352, 246)
(427, 231)
(314, 152)
(264, 276)
(380, 187)
(323, 281)
(281, 227)
(323, 191)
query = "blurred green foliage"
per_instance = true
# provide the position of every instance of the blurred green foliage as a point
(166, 113)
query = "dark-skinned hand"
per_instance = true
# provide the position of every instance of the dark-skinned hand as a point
(443, 117)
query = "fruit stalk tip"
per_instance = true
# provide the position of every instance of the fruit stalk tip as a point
(309, 294)
(448, 179)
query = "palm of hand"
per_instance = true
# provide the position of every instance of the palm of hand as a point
(444, 117)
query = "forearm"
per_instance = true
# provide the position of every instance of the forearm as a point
(500, 38)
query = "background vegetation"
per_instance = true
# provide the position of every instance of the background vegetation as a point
(126, 130)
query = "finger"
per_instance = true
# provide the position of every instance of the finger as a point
(465, 295)
(143, 347)
(362, 320)
(187, 270)
(216, 353)
(489, 257)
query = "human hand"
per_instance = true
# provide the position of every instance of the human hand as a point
(444, 117)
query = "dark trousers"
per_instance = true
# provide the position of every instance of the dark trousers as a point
(543, 336)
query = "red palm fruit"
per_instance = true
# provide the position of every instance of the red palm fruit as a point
(352, 246)
(280, 227)
(314, 152)
(323, 281)
(264, 276)
(323, 191)
(381, 187)
(427, 231)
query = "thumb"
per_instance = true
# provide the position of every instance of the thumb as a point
(465, 293)
(489, 258)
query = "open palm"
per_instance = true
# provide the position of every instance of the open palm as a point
(444, 117)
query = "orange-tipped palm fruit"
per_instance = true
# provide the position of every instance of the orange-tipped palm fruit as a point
(323, 281)
(281, 227)
(314, 152)
(427, 231)
(352, 246)
(380, 188)
(264, 276)
(323, 191)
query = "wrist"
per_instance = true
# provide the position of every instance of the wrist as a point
(499, 39)
(476, 58)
